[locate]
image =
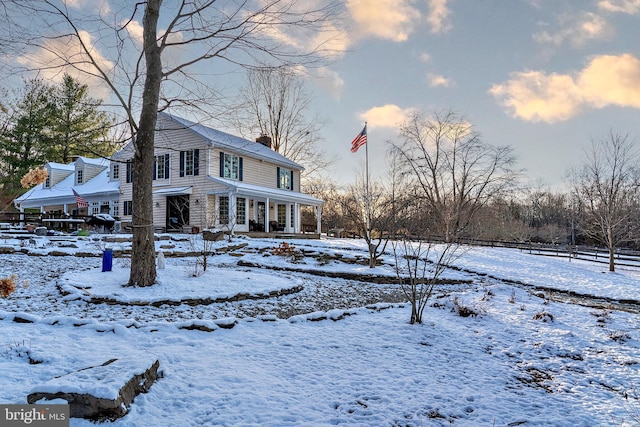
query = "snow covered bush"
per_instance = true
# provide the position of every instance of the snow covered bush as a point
(544, 316)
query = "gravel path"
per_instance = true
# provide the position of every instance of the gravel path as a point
(319, 294)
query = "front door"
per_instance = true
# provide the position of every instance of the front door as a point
(177, 212)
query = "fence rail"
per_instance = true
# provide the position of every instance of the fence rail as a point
(623, 257)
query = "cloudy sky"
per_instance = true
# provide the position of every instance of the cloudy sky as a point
(543, 76)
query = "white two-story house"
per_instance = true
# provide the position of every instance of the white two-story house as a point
(203, 179)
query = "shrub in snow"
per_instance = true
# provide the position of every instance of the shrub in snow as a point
(463, 310)
(20, 350)
(286, 250)
(8, 285)
(544, 316)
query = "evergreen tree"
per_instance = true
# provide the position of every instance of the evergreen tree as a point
(50, 124)
(79, 127)
(25, 140)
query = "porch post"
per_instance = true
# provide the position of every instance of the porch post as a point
(287, 217)
(319, 216)
(296, 217)
(232, 219)
(266, 216)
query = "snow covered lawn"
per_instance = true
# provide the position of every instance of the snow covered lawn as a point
(522, 360)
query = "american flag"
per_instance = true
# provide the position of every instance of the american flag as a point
(80, 201)
(359, 140)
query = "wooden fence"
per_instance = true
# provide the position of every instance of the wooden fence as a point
(623, 257)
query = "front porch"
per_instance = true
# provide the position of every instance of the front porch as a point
(279, 235)
(258, 211)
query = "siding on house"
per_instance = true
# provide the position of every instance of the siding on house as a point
(58, 172)
(90, 167)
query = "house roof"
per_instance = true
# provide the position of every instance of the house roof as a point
(97, 161)
(234, 143)
(62, 192)
(61, 166)
(257, 192)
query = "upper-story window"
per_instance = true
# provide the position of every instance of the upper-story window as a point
(79, 176)
(116, 171)
(129, 171)
(161, 169)
(231, 166)
(189, 162)
(285, 179)
(47, 182)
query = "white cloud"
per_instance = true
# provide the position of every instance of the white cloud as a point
(327, 79)
(607, 80)
(386, 116)
(53, 59)
(386, 19)
(332, 42)
(424, 57)
(577, 32)
(625, 6)
(102, 6)
(436, 80)
(438, 17)
(135, 30)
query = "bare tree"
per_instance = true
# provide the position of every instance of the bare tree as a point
(419, 266)
(454, 173)
(274, 103)
(606, 187)
(147, 55)
(369, 212)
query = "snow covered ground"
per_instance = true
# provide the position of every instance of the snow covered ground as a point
(338, 352)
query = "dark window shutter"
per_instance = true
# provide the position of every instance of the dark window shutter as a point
(278, 176)
(221, 164)
(240, 167)
(291, 182)
(128, 177)
(155, 168)
(196, 161)
(166, 166)
(182, 163)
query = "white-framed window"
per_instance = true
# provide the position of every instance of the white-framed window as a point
(47, 182)
(241, 210)
(285, 179)
(189, 162)
(161, 169)
(94, 208)
(116, 171)
(128, 207)
(115, 206)
(223, 209)
(129, 171)
(79, 176)
(231, 166)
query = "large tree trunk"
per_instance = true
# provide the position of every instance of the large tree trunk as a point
(143, 266)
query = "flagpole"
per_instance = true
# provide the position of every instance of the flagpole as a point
(367, 195)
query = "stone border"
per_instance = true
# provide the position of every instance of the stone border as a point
(187, 301)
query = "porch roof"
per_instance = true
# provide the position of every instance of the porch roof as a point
(174, 191)
(262, 193)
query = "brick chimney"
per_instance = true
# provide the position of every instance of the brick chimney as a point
(265, 140)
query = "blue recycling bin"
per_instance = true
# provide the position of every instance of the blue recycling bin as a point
(107, 260)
